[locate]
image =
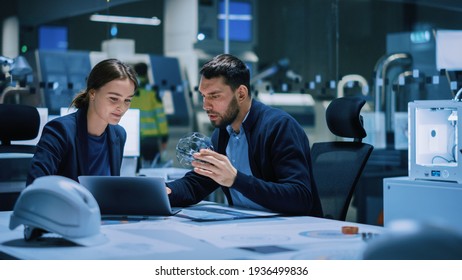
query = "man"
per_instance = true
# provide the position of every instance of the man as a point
(262, 159)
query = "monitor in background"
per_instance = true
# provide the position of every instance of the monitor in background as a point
(448, 54)
(53, 38)
(131, 123)
(66, 110)
(240, 21)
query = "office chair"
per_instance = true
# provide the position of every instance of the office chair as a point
(337, 165)
(17, 123)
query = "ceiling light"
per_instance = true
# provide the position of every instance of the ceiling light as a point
(128, 20)
(235, 17)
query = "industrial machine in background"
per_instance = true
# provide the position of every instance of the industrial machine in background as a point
(283, 96)
(435, 170)
(435, 133)
(15, 79)
(422, 65)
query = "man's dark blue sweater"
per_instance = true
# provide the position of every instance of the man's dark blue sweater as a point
(280, 160)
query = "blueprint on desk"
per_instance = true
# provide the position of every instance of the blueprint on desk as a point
(213, 212)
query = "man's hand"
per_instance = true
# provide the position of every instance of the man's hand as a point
(215, 166)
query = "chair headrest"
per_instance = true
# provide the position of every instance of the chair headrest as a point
(18, 122)
(344, 119)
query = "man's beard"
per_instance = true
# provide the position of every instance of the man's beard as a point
(229, 116)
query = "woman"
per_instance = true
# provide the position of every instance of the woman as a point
(89, 141)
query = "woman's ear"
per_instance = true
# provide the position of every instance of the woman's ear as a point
(91, 94)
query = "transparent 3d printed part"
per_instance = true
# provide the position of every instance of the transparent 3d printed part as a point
(190, 144)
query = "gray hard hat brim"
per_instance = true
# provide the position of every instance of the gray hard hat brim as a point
(93, 240)
(14, 221)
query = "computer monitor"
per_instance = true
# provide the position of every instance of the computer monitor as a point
(131, 122)
(53, 38)
(448, 54)
(240, 21)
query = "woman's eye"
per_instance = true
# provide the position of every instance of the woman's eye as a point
(113, 99)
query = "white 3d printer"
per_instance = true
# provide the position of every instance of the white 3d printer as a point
(434, 133)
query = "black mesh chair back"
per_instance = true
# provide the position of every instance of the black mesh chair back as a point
(338, 165)
(17, 123)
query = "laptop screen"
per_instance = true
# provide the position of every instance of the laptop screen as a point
(129, 196)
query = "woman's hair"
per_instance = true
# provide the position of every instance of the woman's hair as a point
(232, 69)
(104, 72)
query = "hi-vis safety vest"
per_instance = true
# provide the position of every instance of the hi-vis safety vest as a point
(153, 121)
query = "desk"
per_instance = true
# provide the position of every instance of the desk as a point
(170, 238)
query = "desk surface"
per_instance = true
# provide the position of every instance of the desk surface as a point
(170, 238)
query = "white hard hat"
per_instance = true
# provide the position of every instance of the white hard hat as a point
(59, 205)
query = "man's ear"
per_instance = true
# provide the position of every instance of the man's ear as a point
(242, 93)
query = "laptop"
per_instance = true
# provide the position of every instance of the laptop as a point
(129, 196)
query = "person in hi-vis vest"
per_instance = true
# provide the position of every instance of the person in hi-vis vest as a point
(153, 121)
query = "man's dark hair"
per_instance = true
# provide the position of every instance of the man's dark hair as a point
(231, 68)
